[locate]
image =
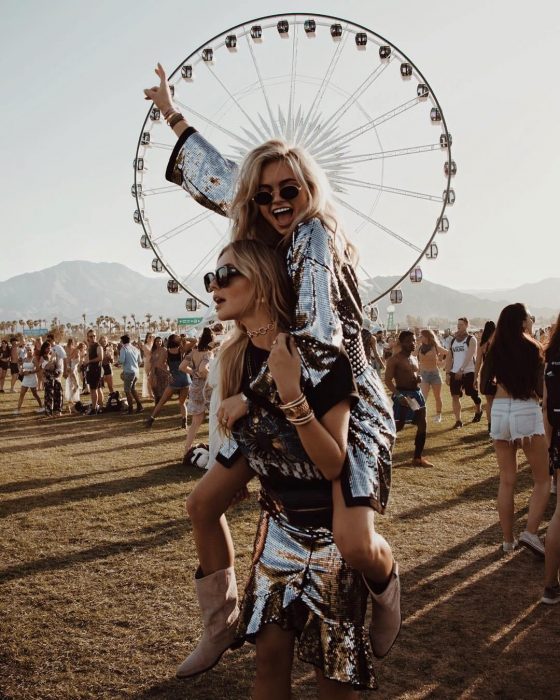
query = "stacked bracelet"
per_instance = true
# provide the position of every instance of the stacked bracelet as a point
(169, 112)
(298, 411)
(175, 119)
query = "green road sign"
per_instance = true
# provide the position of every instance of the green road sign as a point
(194, 321)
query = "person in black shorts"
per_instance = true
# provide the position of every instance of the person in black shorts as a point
(459, 370)
(94, 372)
(4, 363)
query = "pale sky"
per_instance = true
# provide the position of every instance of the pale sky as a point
(72, 79)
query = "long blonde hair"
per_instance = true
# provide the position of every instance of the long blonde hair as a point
(264, 269)
(245, 215)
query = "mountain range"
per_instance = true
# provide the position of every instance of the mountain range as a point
(73, 288)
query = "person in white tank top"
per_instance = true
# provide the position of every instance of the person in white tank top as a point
(459, 371)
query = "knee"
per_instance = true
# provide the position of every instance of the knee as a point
(358, 550)
(198, 508)
(508, 480)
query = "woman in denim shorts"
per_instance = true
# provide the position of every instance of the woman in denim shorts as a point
(429, 352)
(516, 362)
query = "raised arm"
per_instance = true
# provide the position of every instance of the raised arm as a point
(195, 165)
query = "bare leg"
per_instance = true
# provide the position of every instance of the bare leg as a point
(456, 401)
(507, 462)
(22, 394)
(2, 379)
(183, 396)
(109, 382)
(425, 389)
(360, 546)
(332, 690)
(489, 401)
(206, 506)
(552, 548)
(167, 394)
(196, 421)
(37, 397)
(437, 397)
(536, 451)
(275, 653)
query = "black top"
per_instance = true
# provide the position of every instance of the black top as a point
(269, 442)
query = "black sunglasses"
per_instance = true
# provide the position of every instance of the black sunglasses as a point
(287, 192)
(221, 277)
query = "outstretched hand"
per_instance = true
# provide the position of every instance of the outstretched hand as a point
(160, 94)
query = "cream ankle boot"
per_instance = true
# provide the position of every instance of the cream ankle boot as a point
(385, 615)
(217, 596)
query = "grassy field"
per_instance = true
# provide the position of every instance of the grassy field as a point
(97, 564)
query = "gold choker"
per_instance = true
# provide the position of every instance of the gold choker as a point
(263, 330)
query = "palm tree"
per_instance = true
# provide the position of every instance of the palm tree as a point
(133, 317)
(149, 319)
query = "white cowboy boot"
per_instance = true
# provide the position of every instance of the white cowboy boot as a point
(386, 614)
(217, 596)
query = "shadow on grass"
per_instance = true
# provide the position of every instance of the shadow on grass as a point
(101, 551)
(453, 609)
(28, 484)
(163, 533)
(232, 677)
(167, 474)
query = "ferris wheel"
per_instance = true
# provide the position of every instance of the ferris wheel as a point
(353, 99)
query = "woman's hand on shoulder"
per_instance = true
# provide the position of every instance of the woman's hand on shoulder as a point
(285, 367)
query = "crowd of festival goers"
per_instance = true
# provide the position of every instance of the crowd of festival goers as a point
(414, 364)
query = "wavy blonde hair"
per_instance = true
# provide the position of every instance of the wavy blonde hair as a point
(264, 269)
(247, 221)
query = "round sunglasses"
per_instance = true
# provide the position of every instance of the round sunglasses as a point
(287, 192)
(221, 277)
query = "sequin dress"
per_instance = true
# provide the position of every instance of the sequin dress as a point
(328, 317)
(298, 579)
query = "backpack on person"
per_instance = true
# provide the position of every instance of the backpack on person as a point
(115, 404)
(468, 339)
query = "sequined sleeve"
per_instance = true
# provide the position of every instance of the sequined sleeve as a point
(197, 167)
(317, 327)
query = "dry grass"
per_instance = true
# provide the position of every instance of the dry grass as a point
(97, 562)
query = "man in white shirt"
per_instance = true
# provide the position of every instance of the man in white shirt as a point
(459, 371)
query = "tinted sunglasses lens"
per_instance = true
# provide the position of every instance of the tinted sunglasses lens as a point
(222, 276)
(209, 277)
(289, 192)
(262, 198)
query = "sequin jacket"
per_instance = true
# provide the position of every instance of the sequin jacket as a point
(328, 316)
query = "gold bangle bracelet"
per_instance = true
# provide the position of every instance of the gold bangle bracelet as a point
(307, 418)
(294, 403)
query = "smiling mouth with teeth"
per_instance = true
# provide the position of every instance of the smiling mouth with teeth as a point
(282, 210)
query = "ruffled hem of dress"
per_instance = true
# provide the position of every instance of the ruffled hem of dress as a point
(341, 650)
